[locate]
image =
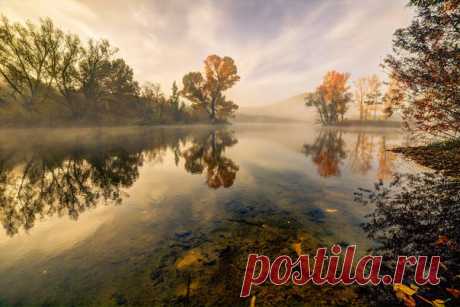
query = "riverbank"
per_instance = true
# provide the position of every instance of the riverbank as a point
(369, 123)
(443, 157)
(99, 125)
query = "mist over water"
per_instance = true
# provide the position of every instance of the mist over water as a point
(168, 215)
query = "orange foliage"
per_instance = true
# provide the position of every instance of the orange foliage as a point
(331, 97)
(334, 84)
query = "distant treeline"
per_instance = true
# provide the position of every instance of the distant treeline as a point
(333, 97)
(52, 78)
(424, 77)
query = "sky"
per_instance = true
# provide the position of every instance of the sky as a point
(282, 47)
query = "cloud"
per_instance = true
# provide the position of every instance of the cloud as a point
(281, 48)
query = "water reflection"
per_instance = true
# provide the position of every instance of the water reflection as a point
(65, 185)
(67, 178)
(207, 155)
(329, 152)
(183, 236)
(386, 160)
(361, 155)
(416, 215)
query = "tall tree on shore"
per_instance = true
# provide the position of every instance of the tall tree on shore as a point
(177, 107)
(51, 77)
(205, 91)
(426, 61)
(331, 98)
(95, 67)
(361, 90)
(119, 80)
(374, 94)
(66, 73)
(155, 99)
(26, 58)
(394, 97)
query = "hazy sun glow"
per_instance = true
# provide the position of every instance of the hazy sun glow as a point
(281, 48)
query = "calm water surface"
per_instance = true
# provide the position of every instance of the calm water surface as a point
(167, 216)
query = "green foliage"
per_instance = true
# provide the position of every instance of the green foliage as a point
(26, 58)
(164, 110)
(51, 78)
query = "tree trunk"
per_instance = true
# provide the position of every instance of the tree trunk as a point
(213, 110)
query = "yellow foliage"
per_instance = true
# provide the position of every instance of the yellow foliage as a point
(191, 258)
(297, 247)
(403, 288)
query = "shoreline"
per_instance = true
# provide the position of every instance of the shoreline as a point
(369, 123)
(441, 157)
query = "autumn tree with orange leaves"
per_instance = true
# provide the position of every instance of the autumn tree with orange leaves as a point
(426, 61)
(331, 98)
(205, 91)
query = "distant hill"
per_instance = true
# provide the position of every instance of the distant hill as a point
(248, 118)
(291, 109)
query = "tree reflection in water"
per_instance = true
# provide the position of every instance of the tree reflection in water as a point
(327, 152)
(416, 215)
(48, 185)
(207, 154)
(386, 160)
(362, 153)
(67, 178)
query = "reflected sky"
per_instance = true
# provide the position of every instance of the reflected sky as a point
(155, 216)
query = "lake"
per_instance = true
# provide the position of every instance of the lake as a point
(167, 216)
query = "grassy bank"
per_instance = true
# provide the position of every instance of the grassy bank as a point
(442, 156)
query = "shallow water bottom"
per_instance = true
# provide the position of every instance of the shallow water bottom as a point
(168, 216)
